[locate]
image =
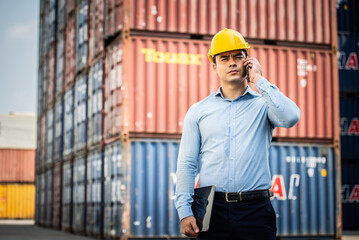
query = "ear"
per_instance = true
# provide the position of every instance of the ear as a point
(214, 66)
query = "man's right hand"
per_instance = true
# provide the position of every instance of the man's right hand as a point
(189, 227)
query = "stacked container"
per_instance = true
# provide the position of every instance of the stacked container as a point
(17, 166)
(132, 69)
(348, 50)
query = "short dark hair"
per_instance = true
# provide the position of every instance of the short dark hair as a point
(214, 56)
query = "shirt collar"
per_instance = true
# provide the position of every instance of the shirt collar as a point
(248, 90)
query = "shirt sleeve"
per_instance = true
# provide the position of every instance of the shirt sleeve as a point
(187, 164)
(282, 112)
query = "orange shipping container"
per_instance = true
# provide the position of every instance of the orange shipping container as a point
(17, 201)
(306, 21)
(151, 83)
(17, 165)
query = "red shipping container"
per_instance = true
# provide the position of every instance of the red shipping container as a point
(69, 64)
(50, 77)
(96, 20)
(306, 21)
(151, 83)
(17, 165)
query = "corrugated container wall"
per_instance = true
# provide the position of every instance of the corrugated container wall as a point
(347, 16)
(61, 15)
(49, 136)
(80, 112)
(79, 195)
(50, 77)
(17, 165)
(94, 104)
(349, 124)
(57, 192)
(350, 194)
(68, 122)
(48, 198)
(171, 74)
(18, 131)
(66, 208)
(94, 193)
(58, 137)
(17, 201)
(96, 28)
(348, 51)
(70, 6)
(60, 63)
(41, 145)
(69, 65)
(81, 35)
(306, 21)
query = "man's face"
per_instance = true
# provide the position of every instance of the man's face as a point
(229, 66)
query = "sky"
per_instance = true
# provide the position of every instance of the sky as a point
(18, 55)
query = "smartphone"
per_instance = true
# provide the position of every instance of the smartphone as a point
(247, 72)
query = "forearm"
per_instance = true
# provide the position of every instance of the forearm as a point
(282, 112)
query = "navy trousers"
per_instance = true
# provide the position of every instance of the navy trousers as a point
(243, 220)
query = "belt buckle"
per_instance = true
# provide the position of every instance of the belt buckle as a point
(229, 201)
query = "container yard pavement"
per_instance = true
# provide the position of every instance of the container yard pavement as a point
(18, 231)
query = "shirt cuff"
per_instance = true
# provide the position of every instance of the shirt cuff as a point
(262, 84)
(184, 212)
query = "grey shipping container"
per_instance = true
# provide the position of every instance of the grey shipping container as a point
(80, 110)
(79, 194)
(81, 44)
(48, 200)
(58, 138)
(49, 136)
(68, 122)
(66, 220)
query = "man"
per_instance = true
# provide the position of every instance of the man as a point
(226, 139)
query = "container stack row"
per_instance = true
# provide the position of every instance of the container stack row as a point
(117, 82)
(17, 166)
(348, 51)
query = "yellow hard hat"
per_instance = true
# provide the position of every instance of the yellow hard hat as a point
(226, 40)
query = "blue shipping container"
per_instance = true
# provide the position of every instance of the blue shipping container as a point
(94, 192)
(60, 63)
(302, 180)
(81, 35)
(349, 127)
(66, 222)
(49, 136)
(80, 110)
(350, 194)
(58, 130)
(347, 14)
(68, 121)
(79, 193)
(48, 195)
(348, 50)
(94, 126)
(114, 189)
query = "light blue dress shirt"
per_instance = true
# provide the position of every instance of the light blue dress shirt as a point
(227, 142)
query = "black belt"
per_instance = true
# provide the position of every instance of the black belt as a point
(243, 196)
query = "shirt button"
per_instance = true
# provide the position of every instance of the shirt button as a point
(231, 179)
(232, 158)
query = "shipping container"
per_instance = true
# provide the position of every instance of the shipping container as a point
(50, 77)
(37, 199)
(350, 194)
(302, 182)
(96, 31)
(41, 88)
(94, 197)
(57, 193)
(172, 74)
(18, 131)
(114, 190)
(347, 16)
(79, 195)
(80, 112)
(61, 15)
(42, 40)
(17, 165)
(305, 21)
(70, 6)
(60, 52)
(58, 138)
(51, 17)
(94, 107)
(49, 136)
(48, 196)
(348, 51)
(67, 200)
(69, 64)
(349, 124)
(42, 204)
(17, 201)
(68, 122)
(81, 46)
(41, 146)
